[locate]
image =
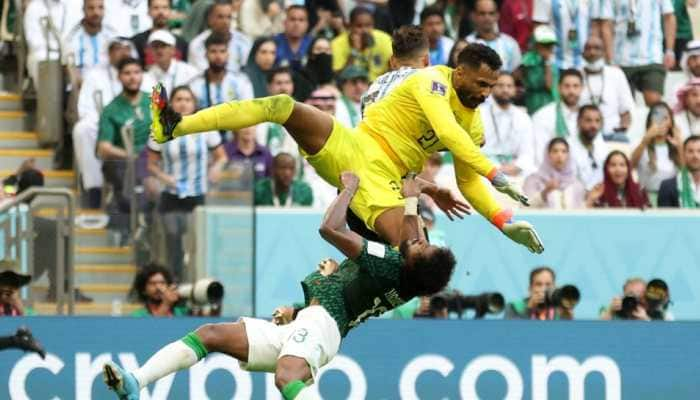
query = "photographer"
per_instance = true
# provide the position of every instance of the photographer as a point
(153, 286)
(541, 304)
(640, 301)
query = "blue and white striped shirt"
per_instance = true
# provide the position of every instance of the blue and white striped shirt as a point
(186, 159)
(505, 46)
(566, 17)
(646, 47)
(234, 86)
(88, 50)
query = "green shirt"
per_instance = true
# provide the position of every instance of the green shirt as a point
(537, 94)
(120, 112)
(365, 287)
(684, 29)
(178, 311)
(300, 191)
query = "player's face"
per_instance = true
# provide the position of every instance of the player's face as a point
(692, 100)
(617, 169)
(559, 156)
(691, 153)
(434, 27)
(183, 102)
(541, 282)
(590, 123)
(281, 84)
(265, 56)
(474, 85)
(220, 18)
(130, 77)
(414, 248)
(296, 23)
(570, 89)
(159, 11)
(217, 55)
(94, 10)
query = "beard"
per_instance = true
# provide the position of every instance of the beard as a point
(469, 101)
(131, 92)
(217, 67)
(502, 101)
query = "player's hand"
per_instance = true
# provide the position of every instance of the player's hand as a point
(350, 181)
(523, 233)
(283, 315)
(327, 266)
(501, 183)
(450, 204)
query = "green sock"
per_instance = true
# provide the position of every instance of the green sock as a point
(234, 115)
(292, 389)
(195, 343)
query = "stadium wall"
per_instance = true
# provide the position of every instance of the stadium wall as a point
(383, 359)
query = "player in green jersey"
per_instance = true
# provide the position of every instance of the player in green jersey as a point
(373, 279)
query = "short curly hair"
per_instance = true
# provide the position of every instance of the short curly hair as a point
(138, 288)
(476, 54)
(407, 41)
(427, 274)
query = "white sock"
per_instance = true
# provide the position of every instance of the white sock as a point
(171, 358)
(308, 393)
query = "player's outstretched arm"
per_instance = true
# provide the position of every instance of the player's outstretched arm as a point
(411, 228)
(334, 228)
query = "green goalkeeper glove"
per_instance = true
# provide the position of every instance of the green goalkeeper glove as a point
(501, 183)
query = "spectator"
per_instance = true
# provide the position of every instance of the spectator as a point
(516, 21)
(130, 108)
(273, 136)
(459, 45)
(538, 72)
(166, 69)
(542, 280)
(555, 185)
(87, 42)
(245, 152)
(432, 21)
(638, 43)
(507, 130)
(217, 84)
(184, 172)
(100, 86)
(160, 13)
(10, 282)
(687, 110)
(485, 18)
(219, 16)
(129, 17)
(282, 190)
(353, 84)
(571, 22)
(633, 287)
(656, 156)
(317, 71)
(619, 188)
(690, 60)
(606, 87)
(683, 190)
(260, 62)
(328, 22)
(293, 43)
(684, 28)
(559, 119)
(362, 45)
(588, 149)
(63, 14)
(262, 18)
(154, 287)
(196, 21)
(325, 99)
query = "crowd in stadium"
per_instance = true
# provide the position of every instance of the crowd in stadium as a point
(581, 115)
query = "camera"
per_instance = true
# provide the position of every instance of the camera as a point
(566, 296)
(629, 304)
(482, 304)
(203, 291)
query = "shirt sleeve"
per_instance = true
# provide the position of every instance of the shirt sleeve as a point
(475, 191)
(341, 49)
(541, 11)
(626, 101)
(107, 130)
(667, 7)
(380, 260)
(153, 145)
(213, 139)
(431, 92)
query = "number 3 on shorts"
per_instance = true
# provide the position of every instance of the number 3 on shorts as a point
(300, 335)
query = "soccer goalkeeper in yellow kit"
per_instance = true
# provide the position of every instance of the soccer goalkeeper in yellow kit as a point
(431, 109)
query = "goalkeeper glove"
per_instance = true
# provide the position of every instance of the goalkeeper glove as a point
(501, 183)
(523, 233)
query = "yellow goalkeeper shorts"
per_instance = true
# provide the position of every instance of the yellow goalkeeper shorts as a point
(356, 151)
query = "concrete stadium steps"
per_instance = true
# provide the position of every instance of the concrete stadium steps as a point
(87, 308)
(18, 140)
(10, 102)
(87, 274)
(102, 255)
(91, 237)
(101, 293)
(52, 177)
(14, 121)
(10, 159)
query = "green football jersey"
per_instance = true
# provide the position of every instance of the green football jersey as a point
(365, 287)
